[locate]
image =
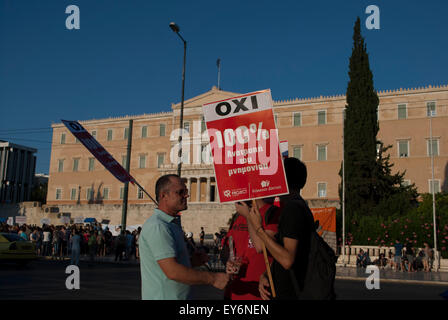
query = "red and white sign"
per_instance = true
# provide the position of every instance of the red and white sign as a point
(21, 220)
(104, 157)
(245, 147)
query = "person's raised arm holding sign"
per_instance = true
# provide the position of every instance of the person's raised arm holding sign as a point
(291, 247)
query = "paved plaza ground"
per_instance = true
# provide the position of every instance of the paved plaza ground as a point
(45, 280)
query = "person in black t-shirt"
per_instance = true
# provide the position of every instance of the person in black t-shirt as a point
(291, 245)
(202, 236)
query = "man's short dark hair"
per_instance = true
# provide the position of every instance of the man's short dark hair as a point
(163, 183)
(296, 173)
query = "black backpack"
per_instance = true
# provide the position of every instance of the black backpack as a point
(320, 271)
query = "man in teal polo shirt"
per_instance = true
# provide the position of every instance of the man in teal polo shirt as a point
(165, 265)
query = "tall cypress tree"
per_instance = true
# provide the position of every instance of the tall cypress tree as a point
(360, 130)
(370, 186)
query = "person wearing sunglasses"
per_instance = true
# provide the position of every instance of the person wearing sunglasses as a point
(165, 265)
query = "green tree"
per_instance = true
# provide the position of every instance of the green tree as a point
(360, 131)
(370, 187)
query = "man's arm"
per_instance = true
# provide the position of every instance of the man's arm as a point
(286, 254)
(178, 272)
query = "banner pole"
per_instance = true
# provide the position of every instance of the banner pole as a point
(155, 202)
(266, 260)
(124, 210)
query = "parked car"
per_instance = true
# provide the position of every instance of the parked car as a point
(14, 248)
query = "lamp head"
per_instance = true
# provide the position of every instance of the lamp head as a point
(174, 27)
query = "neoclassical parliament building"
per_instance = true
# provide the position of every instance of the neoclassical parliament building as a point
(313, 128)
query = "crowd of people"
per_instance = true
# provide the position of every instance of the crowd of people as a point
(405, 258)
(74, 240)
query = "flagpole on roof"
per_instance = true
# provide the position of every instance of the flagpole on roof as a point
(218, 64)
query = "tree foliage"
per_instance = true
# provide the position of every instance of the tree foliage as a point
(370, 187)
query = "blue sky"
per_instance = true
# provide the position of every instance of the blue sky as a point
(126, 60)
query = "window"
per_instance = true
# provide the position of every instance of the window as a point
(276, 119)
(322, 117)
(162, 130)
(142, 161)
(321, 153)
(94, 134)
(144, 131)
(89, 194)
(121, 193)
(58, 194)
(434, 184)
(73, 194)
(123, 161)
(126, 133)
(403, 149)
(91, 164)
(297, 119)
(206, 154)
(76, 140)
(322, 190)
(431, 109)
(433, 147)
(109, 135)
(106, 193)
(75, 164)
(402, 111)
(140, 193)
(63, 138)
(160, 159)
(60, 165)
(187, 126)
(297, 152)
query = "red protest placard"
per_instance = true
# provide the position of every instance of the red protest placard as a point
(104, 157)
(245, 147)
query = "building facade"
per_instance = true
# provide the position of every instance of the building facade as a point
(17, 167)
(313, 128)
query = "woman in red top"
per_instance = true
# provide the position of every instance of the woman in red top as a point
(247, 246)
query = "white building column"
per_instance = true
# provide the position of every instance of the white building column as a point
(189, 185)
(198, 190)
(208, 189)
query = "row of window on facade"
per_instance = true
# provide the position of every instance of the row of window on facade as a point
(403, 152)
(110, 133)
(105, 194)
(402, 112)
(125, 135)
(142, 161)
(90, 194)
(432, 148)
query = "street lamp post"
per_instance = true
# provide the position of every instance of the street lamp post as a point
(431, 151)
(343, 188)
(176, 29)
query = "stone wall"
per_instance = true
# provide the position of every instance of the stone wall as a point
(212, 216)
